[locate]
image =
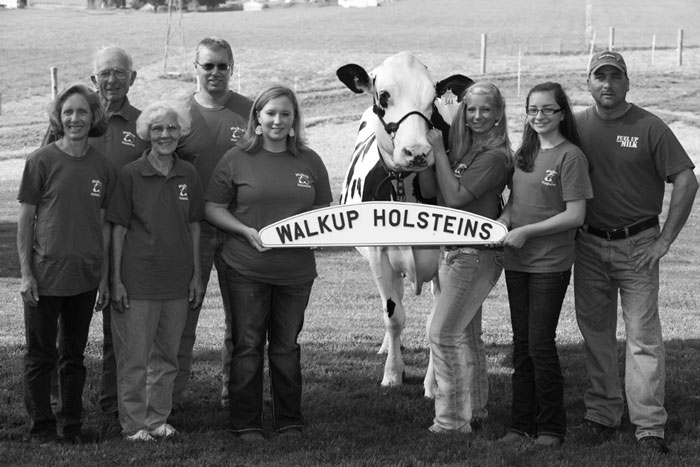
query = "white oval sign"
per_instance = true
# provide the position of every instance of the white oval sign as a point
(378, 223)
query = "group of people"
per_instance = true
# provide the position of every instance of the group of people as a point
(127, 212)
(586, 191)
(116, 216)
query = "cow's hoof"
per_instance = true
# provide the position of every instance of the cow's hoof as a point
(393, 381)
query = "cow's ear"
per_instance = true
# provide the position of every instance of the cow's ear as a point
(355, 78)
(455, 83)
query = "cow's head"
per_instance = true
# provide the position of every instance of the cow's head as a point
(403, 95)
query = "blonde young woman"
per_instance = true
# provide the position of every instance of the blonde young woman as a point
(270, 174)
(471, 177)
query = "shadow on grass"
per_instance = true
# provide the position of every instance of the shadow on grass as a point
(351, 418)
(9, 261)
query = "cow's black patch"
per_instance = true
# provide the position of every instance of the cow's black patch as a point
(390, 307)
(377, 187)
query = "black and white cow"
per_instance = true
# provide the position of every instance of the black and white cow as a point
(391, 148)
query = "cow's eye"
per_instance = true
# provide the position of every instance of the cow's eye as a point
(384, 99)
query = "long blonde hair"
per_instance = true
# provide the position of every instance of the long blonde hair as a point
(461, 139)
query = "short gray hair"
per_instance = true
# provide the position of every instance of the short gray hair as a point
(113, 50)
(149, 114)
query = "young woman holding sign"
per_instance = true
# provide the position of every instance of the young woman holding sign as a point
(471, 177)
(547, 203)
(271, 174)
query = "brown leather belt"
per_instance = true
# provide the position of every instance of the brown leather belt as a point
(622, 232)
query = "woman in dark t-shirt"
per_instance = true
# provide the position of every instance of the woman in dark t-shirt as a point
(271, 174)
(547, 203)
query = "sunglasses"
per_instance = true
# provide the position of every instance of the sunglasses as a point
(211, 66)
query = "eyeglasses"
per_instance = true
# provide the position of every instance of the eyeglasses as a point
(211, 66)
(533, 111)
(160, 129)
(119, 73)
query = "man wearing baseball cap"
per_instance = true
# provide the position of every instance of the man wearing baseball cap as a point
(631, 153)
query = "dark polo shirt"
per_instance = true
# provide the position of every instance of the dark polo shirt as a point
(157, 260)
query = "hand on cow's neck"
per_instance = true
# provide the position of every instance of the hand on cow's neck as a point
(211, 101)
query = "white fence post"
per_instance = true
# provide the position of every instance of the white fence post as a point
(520, 59)
(611, 38)
(483, 54)
(653, 47)
(680, 47)
(54, 82)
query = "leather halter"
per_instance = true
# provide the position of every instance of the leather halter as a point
(399, 193)
(392, 127)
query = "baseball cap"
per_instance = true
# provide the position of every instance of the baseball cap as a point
(607, 58)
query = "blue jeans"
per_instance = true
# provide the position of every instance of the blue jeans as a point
(210, 246)
(467, 275)
(602, 268)
(538, 385)
(41, 328)
(263, 310)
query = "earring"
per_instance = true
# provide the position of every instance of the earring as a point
(291, 133)
(496, 124)
(258, 130)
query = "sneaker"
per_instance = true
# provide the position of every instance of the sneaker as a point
(291, 433)
(250, 436)
(439, 430)
(42, 438)
(164, 431)
(594, 429)
(548, 441)
(72, 438)
(141, 435)
(513, 438)
(653, 444)
(477, 424)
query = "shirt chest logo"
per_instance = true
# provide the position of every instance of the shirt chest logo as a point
(550, 178)
(183, 192)
(628, 141)
(459, 170)
(96, 188)
(303, 180)
(236, 133)
(128, 138)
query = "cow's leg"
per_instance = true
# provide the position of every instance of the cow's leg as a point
(390, 285)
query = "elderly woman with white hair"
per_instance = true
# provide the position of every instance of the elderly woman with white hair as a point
(156, 210)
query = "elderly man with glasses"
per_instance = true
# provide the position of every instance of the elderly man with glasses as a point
(113, 76)
(219, 118)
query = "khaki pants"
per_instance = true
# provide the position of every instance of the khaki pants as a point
(146, 339)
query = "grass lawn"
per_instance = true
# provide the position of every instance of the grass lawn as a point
(352, 421)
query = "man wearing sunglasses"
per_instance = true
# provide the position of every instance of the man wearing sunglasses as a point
(113, 75)
(219, 118)
(632, 155)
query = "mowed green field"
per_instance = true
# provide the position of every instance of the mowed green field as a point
(352, 420)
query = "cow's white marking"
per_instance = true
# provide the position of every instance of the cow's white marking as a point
(405, 86)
